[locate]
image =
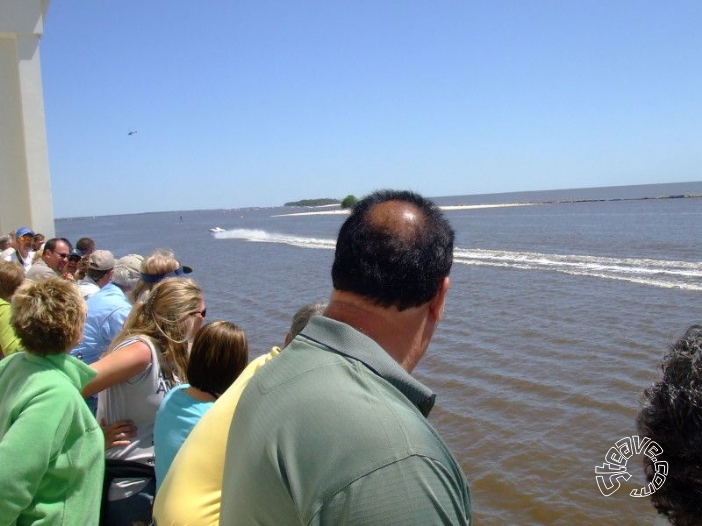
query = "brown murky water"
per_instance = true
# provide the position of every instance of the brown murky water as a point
(556, 320)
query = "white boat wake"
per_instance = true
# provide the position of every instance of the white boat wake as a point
(683, 275)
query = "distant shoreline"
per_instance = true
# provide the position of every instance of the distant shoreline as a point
(446, 207)
(317, 210)
(680, 196)
(504, 205)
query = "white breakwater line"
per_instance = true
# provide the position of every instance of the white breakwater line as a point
(448, 207)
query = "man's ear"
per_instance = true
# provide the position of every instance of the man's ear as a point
(436, 305)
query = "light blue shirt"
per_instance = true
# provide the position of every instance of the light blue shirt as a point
(108, 308)
(175, 419)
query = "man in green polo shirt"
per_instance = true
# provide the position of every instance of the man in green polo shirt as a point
(334, 430)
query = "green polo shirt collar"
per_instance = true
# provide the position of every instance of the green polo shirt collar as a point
(345, 340)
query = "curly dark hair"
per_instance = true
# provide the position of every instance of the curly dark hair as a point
(390, 262)
(672, 416)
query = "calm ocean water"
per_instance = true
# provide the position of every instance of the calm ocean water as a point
(557, 317)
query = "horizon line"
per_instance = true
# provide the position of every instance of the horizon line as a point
(493, 205)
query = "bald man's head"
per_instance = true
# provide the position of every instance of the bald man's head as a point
(395, 249)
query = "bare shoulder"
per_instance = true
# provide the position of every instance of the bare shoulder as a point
(119, 366)
(137, 352)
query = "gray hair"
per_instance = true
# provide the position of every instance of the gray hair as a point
(5, 242)
(127, 271)
(303, 315)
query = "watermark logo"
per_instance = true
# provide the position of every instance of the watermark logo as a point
(609, 475)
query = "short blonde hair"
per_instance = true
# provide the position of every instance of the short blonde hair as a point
(161, 261)
(48, 316)
(11, 277)
(167, 319)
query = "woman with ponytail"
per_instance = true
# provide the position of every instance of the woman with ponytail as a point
(146, 359)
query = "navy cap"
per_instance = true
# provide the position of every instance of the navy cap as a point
(75, 253)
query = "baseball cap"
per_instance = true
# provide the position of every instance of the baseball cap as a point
(127, 270)
(75, 253)
(23, 231)
(101, 260)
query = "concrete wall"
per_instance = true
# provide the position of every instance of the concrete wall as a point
(25, 185)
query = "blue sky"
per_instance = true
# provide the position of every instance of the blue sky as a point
(261, 102)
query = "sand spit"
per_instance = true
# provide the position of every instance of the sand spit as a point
(451, 207)
(502, 205)
(472, 207)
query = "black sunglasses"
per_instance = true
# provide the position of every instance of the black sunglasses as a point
(202, 312)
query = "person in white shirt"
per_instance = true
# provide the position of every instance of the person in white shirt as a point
(21, 250)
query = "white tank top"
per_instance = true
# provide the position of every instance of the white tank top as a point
(137, 399)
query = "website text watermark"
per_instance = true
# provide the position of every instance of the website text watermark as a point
(609, 475)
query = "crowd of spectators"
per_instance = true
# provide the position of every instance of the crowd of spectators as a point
(119, 341)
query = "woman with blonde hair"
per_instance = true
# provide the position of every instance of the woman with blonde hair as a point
(146, 359)
(161, 264)
(220, 353)
(51, 446)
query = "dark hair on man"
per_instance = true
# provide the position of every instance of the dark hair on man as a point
(65, 240)
(95, 274)
(672, 416)
(50, 245)
(219, 354)
(380, 258)
(85, 245)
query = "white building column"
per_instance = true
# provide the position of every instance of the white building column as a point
(25, 185)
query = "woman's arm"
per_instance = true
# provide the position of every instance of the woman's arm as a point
(118, 366)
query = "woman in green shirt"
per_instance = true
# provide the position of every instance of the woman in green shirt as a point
(51, 446)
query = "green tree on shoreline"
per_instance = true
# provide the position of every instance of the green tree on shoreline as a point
(349, 201)
(313, 202)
